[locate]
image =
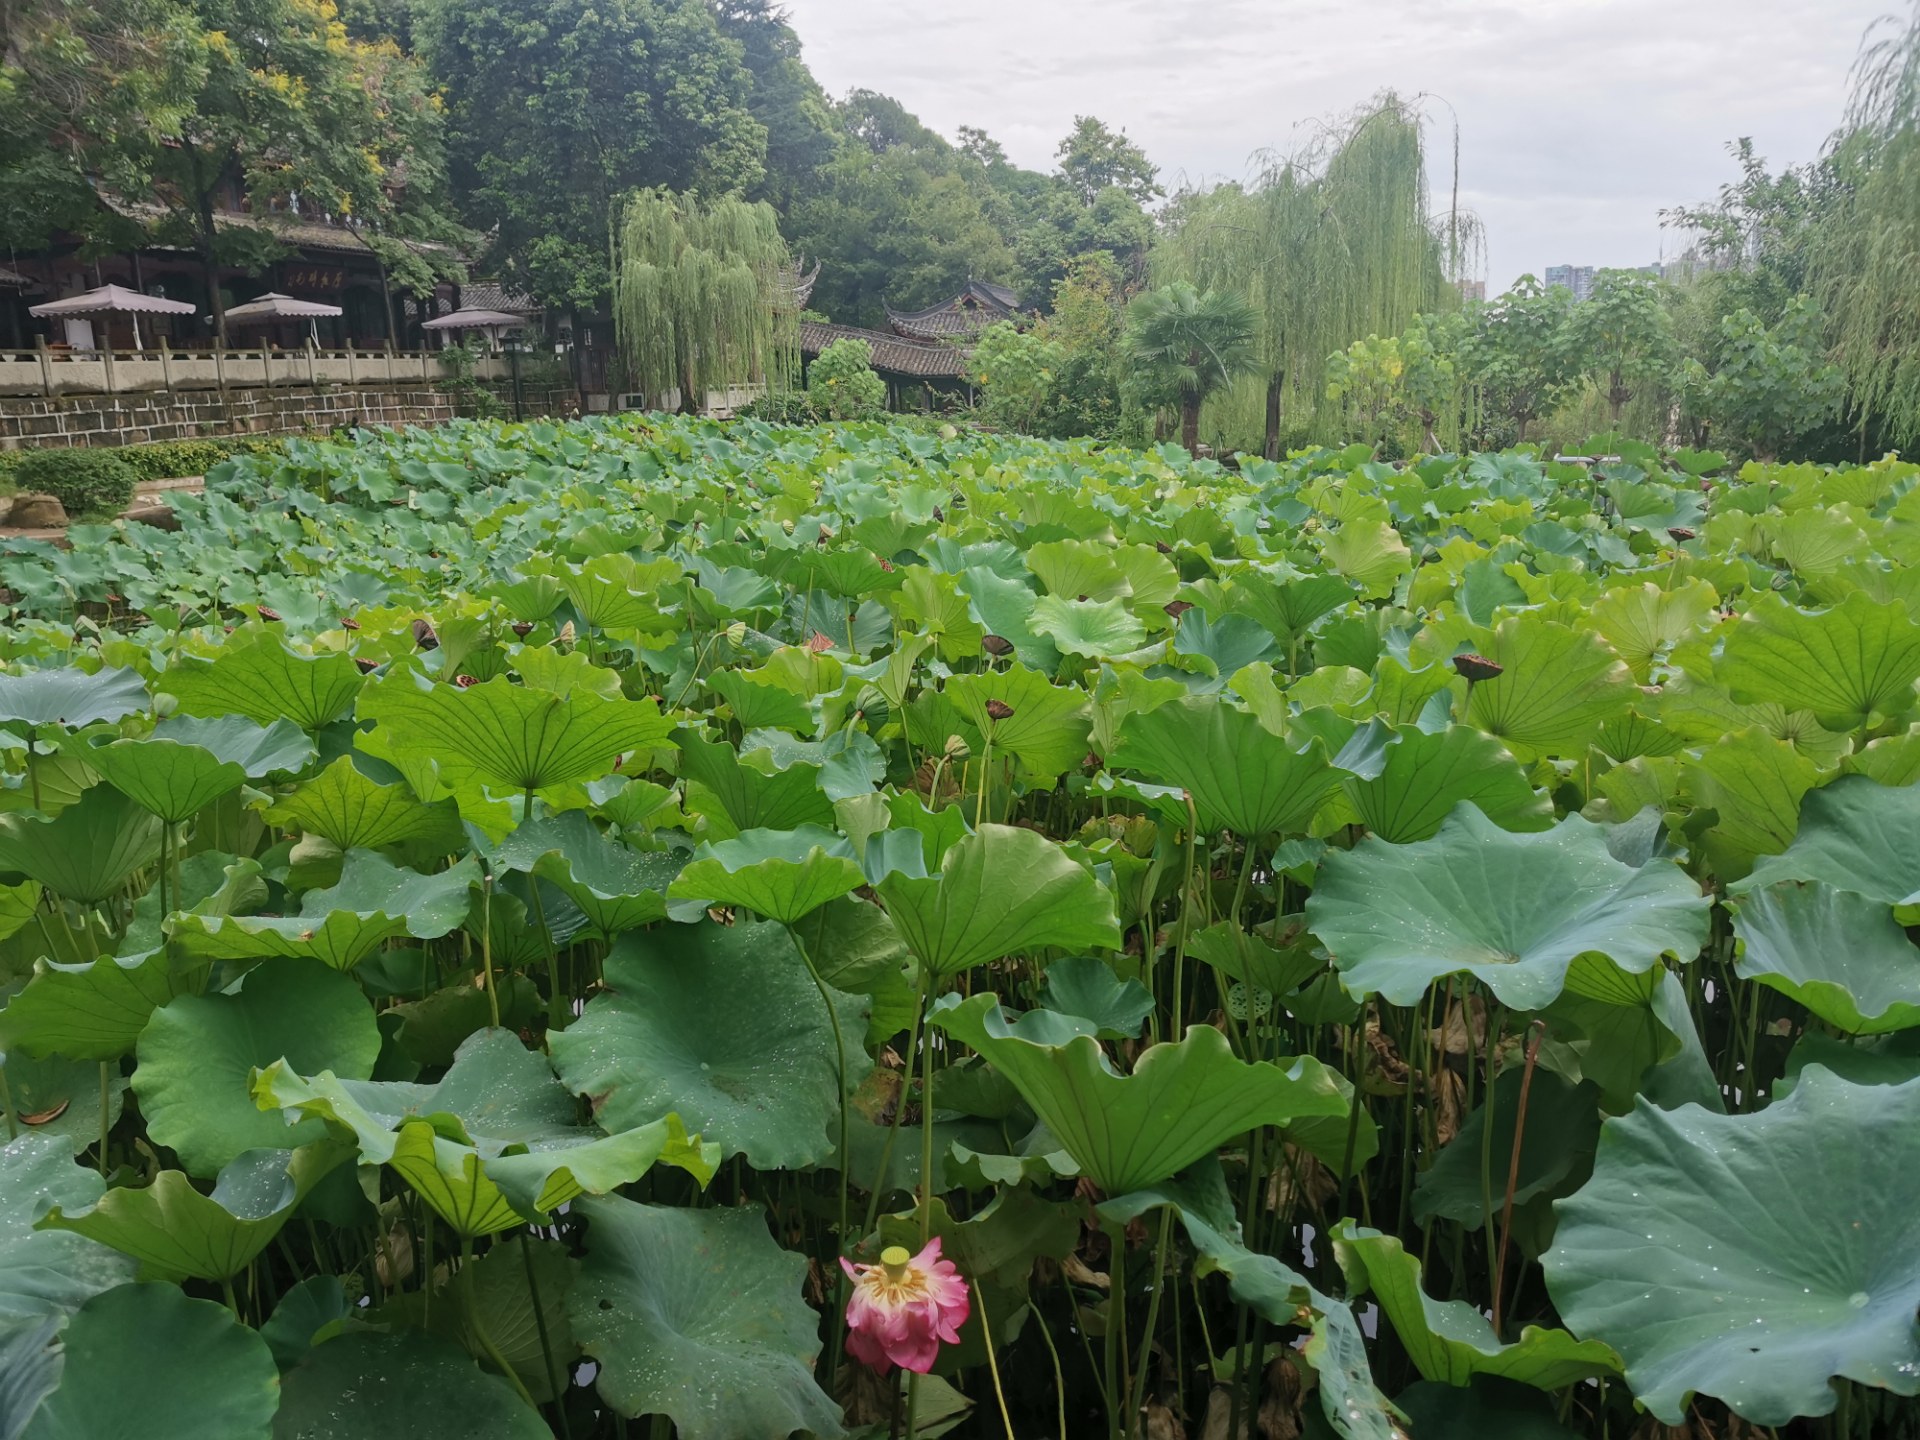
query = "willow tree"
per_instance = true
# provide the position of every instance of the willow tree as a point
(1867, 261)
(1329, 245)
(703, 296)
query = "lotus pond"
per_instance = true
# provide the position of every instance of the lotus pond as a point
(491, 919)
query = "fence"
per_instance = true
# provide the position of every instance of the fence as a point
(51, 372)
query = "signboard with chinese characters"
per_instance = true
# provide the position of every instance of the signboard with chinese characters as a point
(327, 279)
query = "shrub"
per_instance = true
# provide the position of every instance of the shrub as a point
(83, 481)
(842, 384)
(784, 407)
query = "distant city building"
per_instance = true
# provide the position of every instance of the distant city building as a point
(1471, 289)
(1577, 278)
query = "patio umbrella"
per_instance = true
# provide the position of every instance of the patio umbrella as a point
(272, 307)
(476, 320)
(111, 300)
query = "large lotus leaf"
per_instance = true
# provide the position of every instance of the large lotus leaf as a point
(1001, 891)
(1046, 728)
(1514, 911)
(1004, 607)
(1087, 989)
(1557, 687)
(147, 1361)
(1753, 784)
(90, 1012)
(61, 1098)
(616, 887)
(1370, 553)
(781, 874)
(849, 762)
(188, 763)
(405, 1385)
(1841, 955)
(196, 1056)
(1292, 608)
(1278, 970)
(1751, 1257)
(1351, 1402)
(697, 1315)
(1857, 835)
(44, 1276)
(856, 950)
(506, 735)
(263, 680)
(1422, 775)
(1851, 664)
(18, 906)
(504, 1299)
(494, 1144)
(1451, 1340)
(1242, 776)
(723, 1026)
(69, 697)
(1643, 621)
(1096, 629)
(1481, 1410)
(1181, 1102)
(344, 805)
(747, 796)
(86, 852)
(176, 1233)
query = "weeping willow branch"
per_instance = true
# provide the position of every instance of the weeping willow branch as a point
(703, 296)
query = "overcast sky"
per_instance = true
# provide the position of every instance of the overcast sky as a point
(1579, 119)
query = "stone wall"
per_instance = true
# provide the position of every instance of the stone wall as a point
(134, 419)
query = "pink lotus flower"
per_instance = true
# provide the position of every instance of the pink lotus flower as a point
(903, 1308)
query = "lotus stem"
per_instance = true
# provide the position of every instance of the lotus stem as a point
(993, 1362)
(556, 1374)
(1137, 1402)
(1539, 1028)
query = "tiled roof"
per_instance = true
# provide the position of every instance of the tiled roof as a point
(292, 229)
(892, 354)
(492, 295)
(966, 314)
(800, 283)
(14, 280)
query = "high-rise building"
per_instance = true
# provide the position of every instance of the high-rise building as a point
(1577, 278)
(1471, 289)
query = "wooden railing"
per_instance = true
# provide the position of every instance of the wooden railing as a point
(48, 371)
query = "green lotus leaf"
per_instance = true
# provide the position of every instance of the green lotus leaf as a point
(750, 794)
(1643, 621)
(257, 676)
(615, 886)
(45, 1276)
(405, 1385)
(855, 950)
(1289, 609)
(1047, 728)
(1514, 911)
(1450, 1340)
(1094, 628)
(1841, 955)
(491, 1146)
(669, 1299)
(197, 1054)
(187, 763)
(344, 805)
(723, 1026)
(145, 1360)
(1181, 1102)
(1242, 776)
(1558, 686)
(302, 1312)
(88, 851)
(1001, 891)
(70, 697)
(1852, 664)
(90, 1012)
(1853, 834)
(506, 735)
(61, 1098)
(510, 1327)
(1483, 1408)
(176, 1233)
(1252, 961)
(1698, 1251)
(850, 762)
(758, 702)
(1337, 1350)
(1087, 989)
(1004, 607)
(18, 905)
(1423, 775)
(1371, 554)
(781, 874)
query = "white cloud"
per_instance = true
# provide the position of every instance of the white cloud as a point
(1579, 119)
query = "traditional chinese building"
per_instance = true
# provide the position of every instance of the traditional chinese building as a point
(923, 353)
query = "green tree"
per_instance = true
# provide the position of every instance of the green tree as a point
(1330, 245)
(842, 383)
(1394, 384)
(557, 111)
(1770, 386)
(1014, 370)
(1623, 334)
(802, 135)
(1195, 342)
(702, 296)
(1516, 353)
(1093, 159)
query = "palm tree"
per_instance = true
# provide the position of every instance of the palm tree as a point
(1198, 341)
